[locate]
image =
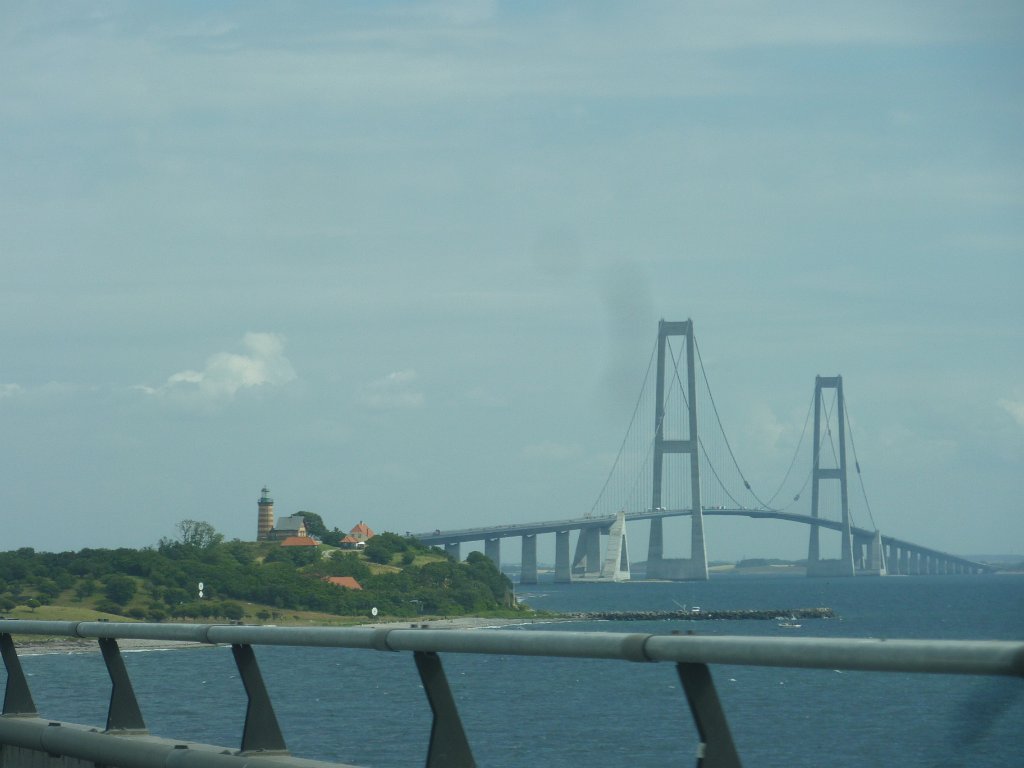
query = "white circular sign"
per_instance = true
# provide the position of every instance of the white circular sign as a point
(200, 586)
(373, 611)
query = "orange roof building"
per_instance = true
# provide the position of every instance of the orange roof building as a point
(298, 541)
(343, 581)
(361, 532)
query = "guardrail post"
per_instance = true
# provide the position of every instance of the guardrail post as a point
(124, 713)
(261, 732)
(716, 749)
(17, 696)
(448, 744)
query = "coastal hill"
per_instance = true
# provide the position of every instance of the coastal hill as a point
(250, 581)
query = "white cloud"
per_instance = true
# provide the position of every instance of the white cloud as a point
(226, 373)
(9, 390)
(394, 391)
(1013, 407)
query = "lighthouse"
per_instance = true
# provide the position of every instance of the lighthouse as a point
(265, 521)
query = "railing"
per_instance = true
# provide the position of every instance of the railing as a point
(21, 727)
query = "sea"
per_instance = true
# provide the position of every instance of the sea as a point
(368, 708)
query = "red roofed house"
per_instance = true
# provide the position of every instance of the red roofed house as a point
(361, 532)
(343, 581)
(298, 541)
(358, 536)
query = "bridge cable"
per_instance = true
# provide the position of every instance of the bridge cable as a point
(829, 409)
(796, 453)
(632, 421)
(725, 437)
(856, 463)
(700, 441)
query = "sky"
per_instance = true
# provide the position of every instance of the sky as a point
(404, 262)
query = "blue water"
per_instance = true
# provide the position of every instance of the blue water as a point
(368, 708)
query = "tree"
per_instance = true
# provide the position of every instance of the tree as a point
(382, 547)
(314, 524)
(199, 534)
(119, 589)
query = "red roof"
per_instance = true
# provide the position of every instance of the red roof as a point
(349, 539)
(362, 531)
(343, 581)
(298, 541)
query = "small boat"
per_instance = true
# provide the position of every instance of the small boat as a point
(789, 625)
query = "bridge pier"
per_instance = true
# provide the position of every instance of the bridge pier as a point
(452, 548)
(696, 566)
(528, 574)
(845, 565)
(563, 568)
(492, 548)
(587, 560)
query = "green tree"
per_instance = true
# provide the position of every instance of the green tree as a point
(108, 606)
(199, 534)
(384, 546)
(119, 589)
(314, 524)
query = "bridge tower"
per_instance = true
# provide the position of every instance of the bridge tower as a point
(694, 567)
(844, 565)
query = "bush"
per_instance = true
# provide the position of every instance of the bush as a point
(106, 605)
(119, 589)
(156, 613)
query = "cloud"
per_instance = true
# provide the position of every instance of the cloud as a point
(9, 390)
(1014, 408)
(226, 373)
(395, 391)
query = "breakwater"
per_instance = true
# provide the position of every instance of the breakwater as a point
(696, 614)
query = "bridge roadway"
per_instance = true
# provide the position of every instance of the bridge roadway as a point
(902, 557)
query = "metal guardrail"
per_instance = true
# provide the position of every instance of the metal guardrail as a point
(21, 727)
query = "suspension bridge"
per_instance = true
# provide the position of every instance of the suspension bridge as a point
(670, 469)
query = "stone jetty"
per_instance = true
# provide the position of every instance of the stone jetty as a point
(696, 614)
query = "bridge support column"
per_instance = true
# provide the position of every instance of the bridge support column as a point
(694, 567)
(844, 566)
(528, 574)
(452, 548)
(616, 561)
(593, 551)
(859, 555)
(587, 560)
(492, 548)
(563, 568)
(875, 564)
